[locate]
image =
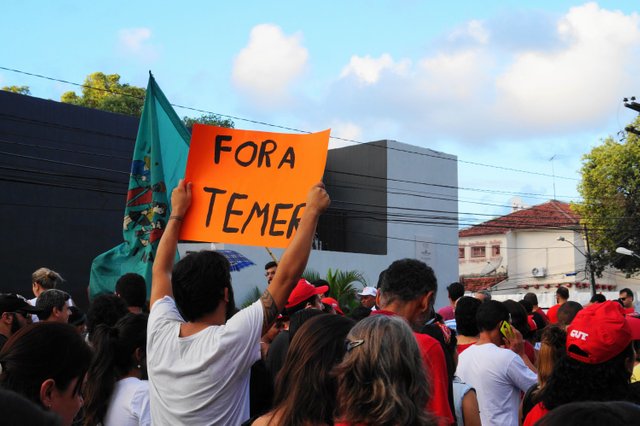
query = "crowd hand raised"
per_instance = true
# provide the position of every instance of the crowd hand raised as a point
(181, 198)
(317, 199)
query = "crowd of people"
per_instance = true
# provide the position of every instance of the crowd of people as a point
(189, 356)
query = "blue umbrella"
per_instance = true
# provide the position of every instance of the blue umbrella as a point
(238, 261)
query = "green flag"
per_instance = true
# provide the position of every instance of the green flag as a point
(159, 161)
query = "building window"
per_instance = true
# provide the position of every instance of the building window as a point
(478, 251)
(460, 252)
(495, 251)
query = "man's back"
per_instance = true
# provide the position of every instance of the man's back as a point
(202, 378)
(498, 375)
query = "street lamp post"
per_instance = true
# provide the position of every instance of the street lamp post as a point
(625, 251)
(588, 259)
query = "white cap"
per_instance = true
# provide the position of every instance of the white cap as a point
(368, 291)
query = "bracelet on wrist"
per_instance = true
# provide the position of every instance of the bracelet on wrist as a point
(178, 218)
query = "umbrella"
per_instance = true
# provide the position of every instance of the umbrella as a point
(238, 261)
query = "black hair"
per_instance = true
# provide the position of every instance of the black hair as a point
(531, 298)
(77, 317)
(133, 289)
(519, 318)
(360, 313)
(573, 381)
(302, 305)
(299, 318)
(490, 314)
(528, 307)
(381, 278)
(198, 282)
(320, 282)
(598, 298)
(563, 292)
(465, 313)
(18, 410)
(408, 279)
(105, 309)
(41, 351)
(49, 299)
(270, 265)
(568, 311)
(590, 413)
(627, 291)
(113, 359)
(455, 290)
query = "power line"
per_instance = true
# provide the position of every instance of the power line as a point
(264, 123)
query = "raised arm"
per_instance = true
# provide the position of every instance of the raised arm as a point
(295, 257)
(166, 253)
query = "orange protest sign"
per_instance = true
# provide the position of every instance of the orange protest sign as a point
(250, 187)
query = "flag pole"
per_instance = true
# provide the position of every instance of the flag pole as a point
(271, 254)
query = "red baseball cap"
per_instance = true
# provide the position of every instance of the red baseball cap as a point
(304, 290)
(601, 331)
(333, 302)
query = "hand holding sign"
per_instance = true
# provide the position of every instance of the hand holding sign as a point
(318, 199)
(180, 198)
(250, 187)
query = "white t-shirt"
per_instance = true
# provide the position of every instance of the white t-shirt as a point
(202, 379)
(498, 375)
(129, 404)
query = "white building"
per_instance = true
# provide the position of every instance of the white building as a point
(534, 249)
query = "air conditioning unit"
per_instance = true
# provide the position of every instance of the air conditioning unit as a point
(539, 272)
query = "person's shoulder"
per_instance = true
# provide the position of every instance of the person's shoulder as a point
(425, 341)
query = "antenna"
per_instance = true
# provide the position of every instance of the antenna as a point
(491, 266)
(553, 173)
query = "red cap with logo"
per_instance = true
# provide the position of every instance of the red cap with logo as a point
(334, 303)
(304, 290)
(601, 331)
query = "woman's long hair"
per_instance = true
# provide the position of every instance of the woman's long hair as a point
(305, 390)
(552, 348)
(41, 351)
(113, 359)
(574, 381)
(381, 380)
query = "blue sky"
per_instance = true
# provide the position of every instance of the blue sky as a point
(509, 84)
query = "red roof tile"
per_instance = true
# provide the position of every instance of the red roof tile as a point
(552, 214)
(481, 283)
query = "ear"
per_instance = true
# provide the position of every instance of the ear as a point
(7, 318)
(46, 392)
(426, 301)
(139, 355)
(378, 298)
(226, 295)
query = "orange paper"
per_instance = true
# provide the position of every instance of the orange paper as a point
(249, 187)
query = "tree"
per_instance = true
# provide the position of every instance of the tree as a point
(105, 92)
(21, 90)
(210, 119)
(610, 189)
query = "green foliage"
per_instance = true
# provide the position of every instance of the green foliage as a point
(311, 275)
(610, 188)
(253, 296)
(21, 90)
(210, 119)
(105, 92)
(342, 288)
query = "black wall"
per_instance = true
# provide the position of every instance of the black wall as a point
(63, 182)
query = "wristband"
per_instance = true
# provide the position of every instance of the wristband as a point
(178, 218)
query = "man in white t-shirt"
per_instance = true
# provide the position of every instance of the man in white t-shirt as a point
(497, 374)
(198, 357)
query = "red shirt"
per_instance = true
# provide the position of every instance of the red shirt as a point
(543, 315)
(436, 368)
(447, 313)
(552, 313)
(460, 348)
(537, 412)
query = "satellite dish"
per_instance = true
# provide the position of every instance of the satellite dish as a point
(491, 266)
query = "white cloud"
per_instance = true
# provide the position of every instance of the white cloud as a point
(480, 91)
(344, 130)
(135, 42)
(368, 69)
(579, 83)
(266, 68)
